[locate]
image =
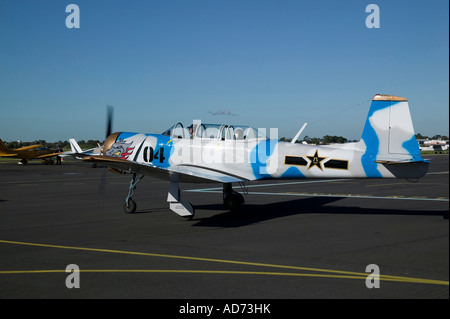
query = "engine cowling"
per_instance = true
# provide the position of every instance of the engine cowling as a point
(110, 140)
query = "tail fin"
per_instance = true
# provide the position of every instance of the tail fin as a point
(3, 147)
(388, 138)
(389, 132)
(74, 146)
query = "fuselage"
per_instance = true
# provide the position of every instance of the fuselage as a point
(255, 159)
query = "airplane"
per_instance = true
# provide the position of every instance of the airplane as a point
(28, 153)
(77, 152)
(227, 154)
(436, 148)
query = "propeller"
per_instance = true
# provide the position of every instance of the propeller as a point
(109, 119)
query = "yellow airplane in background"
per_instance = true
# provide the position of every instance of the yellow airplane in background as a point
(28, 153)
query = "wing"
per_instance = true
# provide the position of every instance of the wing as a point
(191, 173)
(27, 147)
(7, 154)
(49, 155)
(205, 173)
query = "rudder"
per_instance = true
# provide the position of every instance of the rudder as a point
(389, 130)
(74, 146)
(3, 147)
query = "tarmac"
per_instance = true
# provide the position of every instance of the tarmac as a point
(292, 239)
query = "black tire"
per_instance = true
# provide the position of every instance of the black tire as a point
(131, 208)
(232, 202)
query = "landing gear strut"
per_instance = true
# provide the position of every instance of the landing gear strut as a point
(178, 205)
(130, 204)
(231, 200)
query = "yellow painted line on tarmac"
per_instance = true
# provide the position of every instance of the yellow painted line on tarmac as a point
(334, 273)
(230, 272)
(180, 271)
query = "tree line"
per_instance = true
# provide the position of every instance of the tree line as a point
(435, 137)
(329, 139)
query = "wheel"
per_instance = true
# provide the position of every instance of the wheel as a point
(131, 208)
(232, 202)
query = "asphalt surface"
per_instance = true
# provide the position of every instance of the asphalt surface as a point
(293, 239)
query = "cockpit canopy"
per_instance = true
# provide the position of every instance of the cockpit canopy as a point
(215, 132)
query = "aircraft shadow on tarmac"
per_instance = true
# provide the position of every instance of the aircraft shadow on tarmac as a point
(254, 213)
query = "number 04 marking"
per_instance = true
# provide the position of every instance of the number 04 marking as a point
(150, 155)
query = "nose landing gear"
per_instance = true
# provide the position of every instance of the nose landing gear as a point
(130, 204)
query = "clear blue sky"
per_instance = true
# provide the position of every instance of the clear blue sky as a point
(263, 63)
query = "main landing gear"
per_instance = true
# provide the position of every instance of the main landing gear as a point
(232, 200)
(178, 205)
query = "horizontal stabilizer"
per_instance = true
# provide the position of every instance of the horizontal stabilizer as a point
(413, 168)
(391, 162)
